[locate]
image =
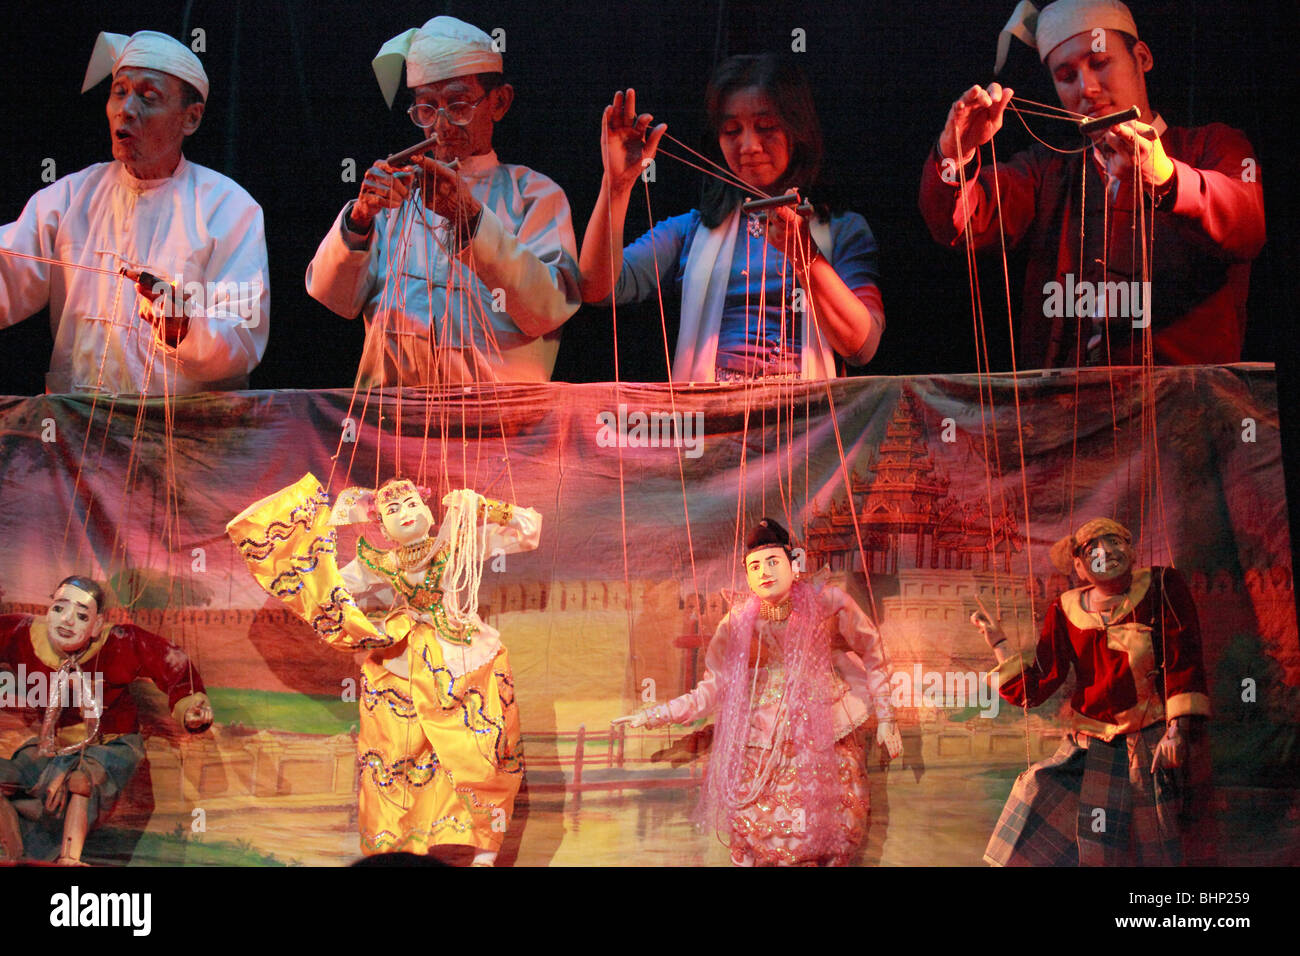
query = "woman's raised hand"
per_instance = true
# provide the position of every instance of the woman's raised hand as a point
(627, 143)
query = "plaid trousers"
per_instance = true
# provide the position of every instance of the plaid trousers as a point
(1094, 803)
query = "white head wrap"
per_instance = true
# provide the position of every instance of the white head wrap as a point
(1046, 30)
(441, 49)
(149, 50)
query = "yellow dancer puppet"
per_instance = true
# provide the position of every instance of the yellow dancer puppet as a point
(438, 745)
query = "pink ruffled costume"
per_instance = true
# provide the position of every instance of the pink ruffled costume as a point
(786, 783)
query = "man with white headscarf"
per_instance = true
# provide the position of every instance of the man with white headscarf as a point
(191, 239)
(1203, 212)
(464, 273)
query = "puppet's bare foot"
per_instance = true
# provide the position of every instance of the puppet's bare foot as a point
(70, 861)
(11, 835)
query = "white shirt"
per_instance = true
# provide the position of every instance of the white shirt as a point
(512, 286)
(196, 226)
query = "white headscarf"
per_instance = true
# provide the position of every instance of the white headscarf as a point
(441, 49)
(1057, 22)
(146, 49)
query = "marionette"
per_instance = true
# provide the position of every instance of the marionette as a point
(438, 747)
(1129, 783)
(73, 672)
(793, 674)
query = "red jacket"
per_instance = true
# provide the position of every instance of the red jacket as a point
(121, 654)
(1145, 668)
(1206, 235)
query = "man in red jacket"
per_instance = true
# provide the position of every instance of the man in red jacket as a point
(73, 674)
(1202, 215)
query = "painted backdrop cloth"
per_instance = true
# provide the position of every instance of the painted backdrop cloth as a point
(438, 749)
(492, 311)
(1205, 239)
(586, 631)
(196, 225)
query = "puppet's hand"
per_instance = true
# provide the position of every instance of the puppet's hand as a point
(988, 628)
(463, 498)
(56, 795)
(199, 717)
(630, 720)
(1171, 752)
(887, 736)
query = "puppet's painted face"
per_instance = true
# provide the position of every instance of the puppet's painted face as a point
(1106, 557)
(752, 138)
(406, 518)
(1099, 75)
(73, 619)
(770, 574)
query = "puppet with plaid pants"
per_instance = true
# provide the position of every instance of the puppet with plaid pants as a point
(1129, 784)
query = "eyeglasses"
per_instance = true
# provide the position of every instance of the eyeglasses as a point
(425, 115)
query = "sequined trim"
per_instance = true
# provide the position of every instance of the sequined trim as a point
(328, 623)
(509, 758)
(497, 512)
(768, 831)
(401, 706)
(409, 771)
(304, 516)
(386, 841)
(425, 596)
(289, 582)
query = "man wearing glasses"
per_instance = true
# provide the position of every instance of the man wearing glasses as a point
(464, 267)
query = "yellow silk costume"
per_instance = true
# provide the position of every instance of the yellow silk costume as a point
(438, 747)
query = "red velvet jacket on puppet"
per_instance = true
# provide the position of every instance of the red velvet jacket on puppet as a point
(1155, 640)
(122, 653)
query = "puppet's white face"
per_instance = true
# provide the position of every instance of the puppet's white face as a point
(406, 519)
(1106, 557)
(73, 619)
(770, 574)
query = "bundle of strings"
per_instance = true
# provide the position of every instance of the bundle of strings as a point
(466, 544)
(803, 718)
(68, 672)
